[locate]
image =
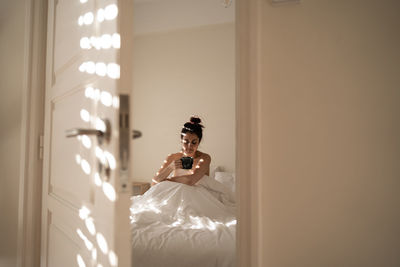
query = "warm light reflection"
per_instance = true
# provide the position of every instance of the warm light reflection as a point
(112, 257)
(116, 40)
(82, 67)
(231, 223)
(89, 92)
(85, 166)
(86, 141)
(94, 254)
(84, 212)
(101, 69)
(90, 225)
(83, 1)
(99, 265)
(109, 191)
(202, 223)
(85, 43)
(111, 160)
(90, 67)
(97, 179)
(96, 95)
(88, 244)
(100, 155)
(100, 15)
(80, 261)
(116, 102)
(80, 21)
(106, 41)
(113, 71)
(100, 125)
(106, 98)
(85, 115)
(78, 158)
(94, 41)
(88, 18)
(102, 243)
(111, 12)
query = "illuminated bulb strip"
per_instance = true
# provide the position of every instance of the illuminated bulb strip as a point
(110, 12)
(106, 41)
(112, 70)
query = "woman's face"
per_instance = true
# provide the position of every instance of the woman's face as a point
(190, 143)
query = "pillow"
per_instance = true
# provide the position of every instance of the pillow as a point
(227, 179)
(214, 169)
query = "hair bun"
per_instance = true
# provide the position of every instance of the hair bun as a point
(195, 120)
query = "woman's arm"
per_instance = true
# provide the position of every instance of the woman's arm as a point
(199, 170)
(164, 171)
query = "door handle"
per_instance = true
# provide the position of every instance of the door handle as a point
(136, 134)
(80, 131)
(101, 135)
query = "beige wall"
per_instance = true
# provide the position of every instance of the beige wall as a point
(330, 134)
(12, 26)
(176, 74)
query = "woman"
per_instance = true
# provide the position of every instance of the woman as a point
(178, 225)
(191, 135)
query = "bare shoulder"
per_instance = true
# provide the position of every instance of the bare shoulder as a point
(205, 156)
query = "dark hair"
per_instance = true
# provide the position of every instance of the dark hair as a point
(193, 126)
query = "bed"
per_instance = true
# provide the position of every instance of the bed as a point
(179, 225)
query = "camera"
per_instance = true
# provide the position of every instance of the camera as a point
(187, 162)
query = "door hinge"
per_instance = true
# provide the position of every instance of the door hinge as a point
(41, 146)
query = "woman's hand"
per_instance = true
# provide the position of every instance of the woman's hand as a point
(177, 164)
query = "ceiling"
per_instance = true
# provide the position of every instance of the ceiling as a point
(166, 15)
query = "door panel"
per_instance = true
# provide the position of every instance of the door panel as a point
(85, 192)
(66, 167)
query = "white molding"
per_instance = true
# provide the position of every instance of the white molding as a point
(29, 205)
(248, 117)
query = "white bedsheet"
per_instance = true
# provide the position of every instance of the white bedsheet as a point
(179, 225)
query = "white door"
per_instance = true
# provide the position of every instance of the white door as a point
(85, 218)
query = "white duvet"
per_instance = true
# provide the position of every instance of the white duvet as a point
(179, 225)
